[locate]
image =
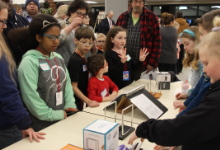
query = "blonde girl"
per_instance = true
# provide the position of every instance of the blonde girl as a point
(190, 37)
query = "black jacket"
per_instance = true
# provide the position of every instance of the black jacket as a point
(104, 26)
(15, 22)
(198, 129)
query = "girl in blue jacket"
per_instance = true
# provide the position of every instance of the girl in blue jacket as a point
(15, 120)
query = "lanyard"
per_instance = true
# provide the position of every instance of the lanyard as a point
(57, 77)
(83, 60)
(125, 64)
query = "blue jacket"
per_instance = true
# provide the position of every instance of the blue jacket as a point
(16, 21)
(197, 95)
(12, 111)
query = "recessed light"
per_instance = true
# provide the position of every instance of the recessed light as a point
(91, 2)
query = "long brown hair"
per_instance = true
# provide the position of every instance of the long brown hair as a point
(111, 34)
(192, 59)
(4, 50)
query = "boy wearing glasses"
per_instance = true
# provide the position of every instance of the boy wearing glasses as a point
(100, 42)
(84, 40)
(99, 85)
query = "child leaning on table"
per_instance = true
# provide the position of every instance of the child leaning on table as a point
(205, 26)
(99, 85)
(199, 128)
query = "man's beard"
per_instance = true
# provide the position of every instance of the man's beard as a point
(137, 9)
(32, 13)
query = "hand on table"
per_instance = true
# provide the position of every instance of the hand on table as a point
(32, 134)
(113, 95)
(158, 147)
(65, 115)
(132, 138)
(71, 110)
(181, 96)
(92, 103)
(143, 54)
(179, 104)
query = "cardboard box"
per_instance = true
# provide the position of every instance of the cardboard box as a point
(71, 147)
(101, 135)
(164, 78)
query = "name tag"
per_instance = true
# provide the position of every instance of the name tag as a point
(59, 98)
(84, 68)
(44, 66)
(128, 57)
(104, 93)
(126, 75)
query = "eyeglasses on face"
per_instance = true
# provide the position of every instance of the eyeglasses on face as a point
(87, 44)
(53, 37)
(80, 14)
(3, 22)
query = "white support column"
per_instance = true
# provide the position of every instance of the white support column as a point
(117, 6)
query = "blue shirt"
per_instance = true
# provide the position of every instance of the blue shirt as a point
(29, 18)
(197, 95)
(12, 111)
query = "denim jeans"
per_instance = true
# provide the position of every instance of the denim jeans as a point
(9, 136)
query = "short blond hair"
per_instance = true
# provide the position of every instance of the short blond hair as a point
(175, 24)
(211, 42)
(62, 10)
(100, 35)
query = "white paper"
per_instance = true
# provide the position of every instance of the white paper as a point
(139, 87)
(101, 126)
(147, 106)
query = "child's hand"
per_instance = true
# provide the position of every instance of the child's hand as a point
(76, 22)
(123, 55)
(113, 95)
(132, 138)
(93, 103)
(32, 134)
(181, 96)
(71, 110)
(179, 104)
(65, 115)
(143, 54)
(158, 147)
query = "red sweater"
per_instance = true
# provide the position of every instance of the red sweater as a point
(98, 89)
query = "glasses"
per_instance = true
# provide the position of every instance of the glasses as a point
(87, 44)
(100, 41)
(81, 14)
(3, 22)
(138, 2)
(33, 4)
(53, 37)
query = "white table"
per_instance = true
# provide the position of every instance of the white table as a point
(70, 130)
(166, 99)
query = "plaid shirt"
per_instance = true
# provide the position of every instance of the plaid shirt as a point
(150, 34)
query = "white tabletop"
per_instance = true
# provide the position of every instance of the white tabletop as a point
(70, 130)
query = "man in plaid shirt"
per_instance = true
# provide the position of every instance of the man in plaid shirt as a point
(143, 31)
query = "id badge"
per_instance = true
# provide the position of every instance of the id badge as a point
(104, 93)
(128, 57)
(126, 75)
(84, 68)
(59, 98)
(44, 66)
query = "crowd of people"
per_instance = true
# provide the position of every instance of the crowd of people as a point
(50, 66)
